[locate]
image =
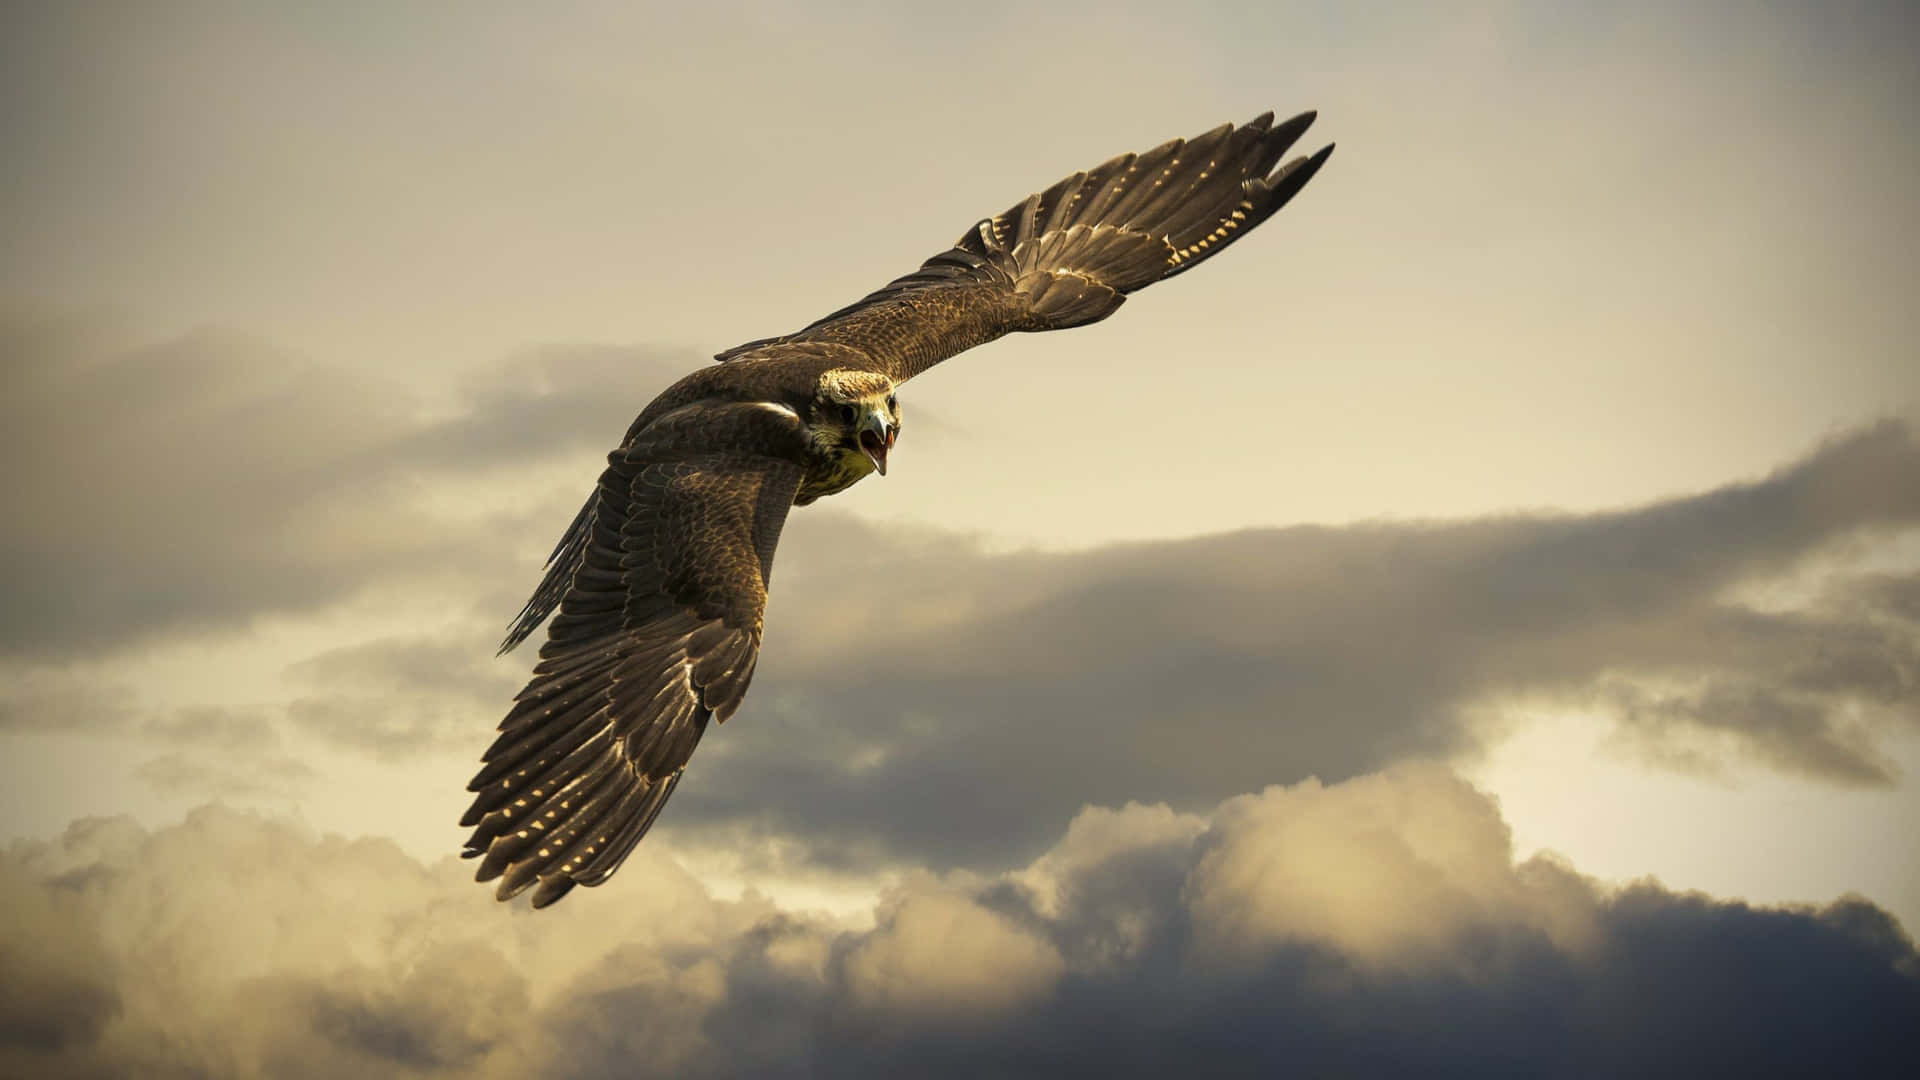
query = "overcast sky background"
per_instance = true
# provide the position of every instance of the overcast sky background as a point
(1495, 580)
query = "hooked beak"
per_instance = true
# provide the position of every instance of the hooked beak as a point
(876, 438)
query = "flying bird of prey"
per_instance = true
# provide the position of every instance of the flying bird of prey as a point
(661, 580)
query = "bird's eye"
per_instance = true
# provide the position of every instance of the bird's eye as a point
(891, 403)
(848, 413)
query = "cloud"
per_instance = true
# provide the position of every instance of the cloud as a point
(222, 773)
(38, 702)
(907, 669)
(904, 672)
(400, 695)
(56, 986)
(203, 481)
(1355, 927)
(938, 956)
(214, 725)
(205, 750)
(1403, 866)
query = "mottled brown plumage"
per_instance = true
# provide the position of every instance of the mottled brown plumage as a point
(660, 582)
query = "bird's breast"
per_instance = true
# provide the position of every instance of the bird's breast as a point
(832, 473)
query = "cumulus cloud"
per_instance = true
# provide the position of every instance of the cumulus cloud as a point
(1357, 927)
(1403, 866)
(939, 957)
(56, 980)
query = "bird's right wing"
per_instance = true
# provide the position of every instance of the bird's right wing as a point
(1069, 255)
(661, 585)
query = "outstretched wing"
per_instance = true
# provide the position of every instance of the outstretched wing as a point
(661, 585)
(1069, 255)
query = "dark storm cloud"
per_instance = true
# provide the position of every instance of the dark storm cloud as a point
(1374, 927)
(906, 673)
(203, 481)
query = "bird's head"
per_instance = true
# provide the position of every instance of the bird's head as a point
(855, 414)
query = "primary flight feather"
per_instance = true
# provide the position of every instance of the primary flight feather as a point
(661, 580)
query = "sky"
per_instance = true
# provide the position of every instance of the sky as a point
(1475, 624)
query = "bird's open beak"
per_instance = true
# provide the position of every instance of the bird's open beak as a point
(876, 438)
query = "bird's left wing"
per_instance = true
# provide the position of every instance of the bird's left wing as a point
(1069, 255)
(661, 587)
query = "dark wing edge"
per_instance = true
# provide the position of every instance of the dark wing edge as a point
(657, 635)
(560, 568)
(1069, 255)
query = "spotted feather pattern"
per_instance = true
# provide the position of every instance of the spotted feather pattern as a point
(662, 588)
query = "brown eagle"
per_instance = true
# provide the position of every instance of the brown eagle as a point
(661, 580)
